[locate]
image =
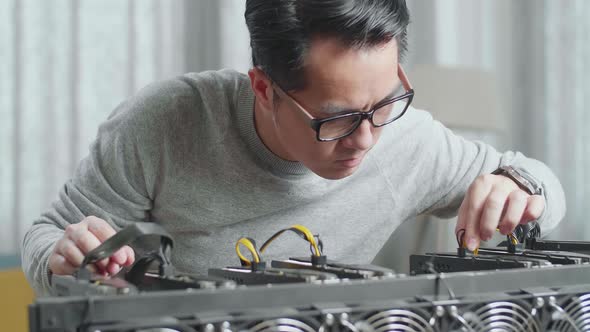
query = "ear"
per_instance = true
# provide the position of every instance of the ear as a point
(262, 87)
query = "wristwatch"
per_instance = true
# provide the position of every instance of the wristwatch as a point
(523, 179)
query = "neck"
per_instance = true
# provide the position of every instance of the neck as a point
(267, 131)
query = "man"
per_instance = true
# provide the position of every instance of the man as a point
(320, 133)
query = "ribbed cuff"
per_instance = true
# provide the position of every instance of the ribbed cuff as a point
(47, 288)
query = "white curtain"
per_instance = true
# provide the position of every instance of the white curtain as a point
(65, 65)
(564, 104)
(217, 35)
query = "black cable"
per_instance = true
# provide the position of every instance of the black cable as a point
(320, 244)
(460, 236)
(527, 231)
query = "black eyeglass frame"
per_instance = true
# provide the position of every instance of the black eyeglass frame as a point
(316, 124)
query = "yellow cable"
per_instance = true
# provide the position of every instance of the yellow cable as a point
(272, 238)
(513, 239)
(511, 236)
(246, 242)
(300, 229)
(310, 238)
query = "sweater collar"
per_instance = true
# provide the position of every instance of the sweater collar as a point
(247, 128)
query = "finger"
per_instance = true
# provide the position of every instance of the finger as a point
(99, 270)
(517, 202)
(534, 209)
(86, 241)
(92, 268)
(100, 228)
(69, 250)
(60, 266)
(113, 268)
(492, 212)
(474, 203)
(103, 231)
(130, 256)
(124, 256)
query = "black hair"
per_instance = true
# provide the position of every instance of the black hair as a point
(281, 31)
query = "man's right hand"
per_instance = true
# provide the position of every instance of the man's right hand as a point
(81, 238)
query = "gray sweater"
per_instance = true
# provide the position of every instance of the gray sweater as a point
(185, 153)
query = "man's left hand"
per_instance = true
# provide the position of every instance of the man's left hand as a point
(495, 202)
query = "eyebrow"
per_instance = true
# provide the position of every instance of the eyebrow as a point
(332, 109)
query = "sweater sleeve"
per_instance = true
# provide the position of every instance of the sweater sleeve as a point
(456, 162)
(140, 150)
(114, 182)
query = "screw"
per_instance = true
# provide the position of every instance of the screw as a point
(439, 311)
(539, 302)
(52, 321)
(453, 310)
(329, 319)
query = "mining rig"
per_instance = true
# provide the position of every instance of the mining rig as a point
(526, 284)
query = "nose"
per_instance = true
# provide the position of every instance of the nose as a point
(361, 138)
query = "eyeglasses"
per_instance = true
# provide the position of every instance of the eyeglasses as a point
(339, 126)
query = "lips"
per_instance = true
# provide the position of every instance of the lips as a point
(350, 162)
(359, 156)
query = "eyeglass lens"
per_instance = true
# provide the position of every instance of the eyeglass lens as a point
(340, 127)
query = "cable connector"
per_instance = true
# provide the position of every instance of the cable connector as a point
(461, 252)
(319, 260)
(257, 266)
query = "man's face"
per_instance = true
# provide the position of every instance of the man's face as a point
(339, 80)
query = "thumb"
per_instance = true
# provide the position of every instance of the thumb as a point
(130, 256)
